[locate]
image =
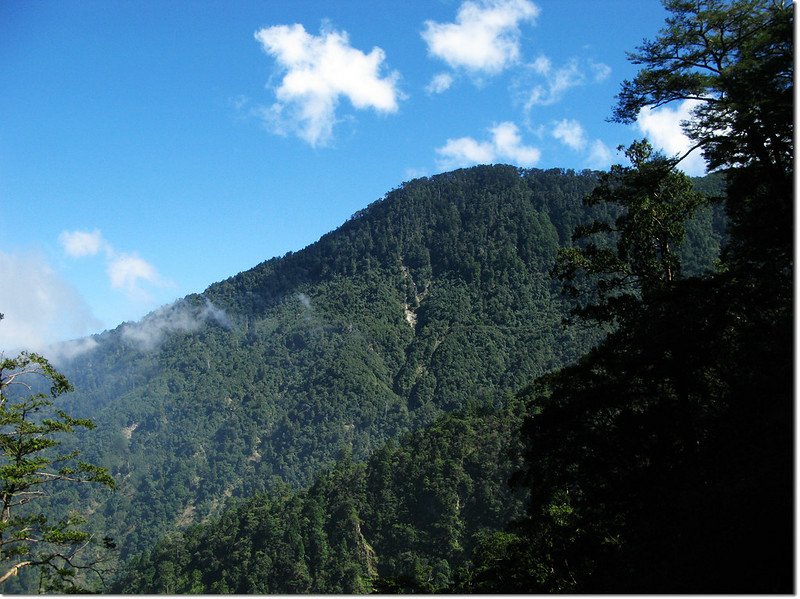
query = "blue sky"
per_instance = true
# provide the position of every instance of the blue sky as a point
(149, 149)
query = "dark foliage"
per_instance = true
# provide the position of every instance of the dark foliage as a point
(662, 461)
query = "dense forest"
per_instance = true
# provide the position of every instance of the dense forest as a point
(490, 380)
(407, 520)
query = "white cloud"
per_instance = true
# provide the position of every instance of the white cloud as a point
(319, 71)
(558, 81)
(600, 155)
(542, 65)
(440, 83)
(415, 173)
(465, 151)
(663, 128)
(508, 143)
(505, 144)
(67, 350)
(80, 243)
(39, 306)
(304, 300)
(485, 37)
(239, 102)
(570, 133)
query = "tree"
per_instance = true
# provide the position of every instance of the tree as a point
(735, 60)
(636, 255)
(31, 465)
(606, 435)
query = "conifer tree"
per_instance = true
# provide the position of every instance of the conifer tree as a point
(31, 467)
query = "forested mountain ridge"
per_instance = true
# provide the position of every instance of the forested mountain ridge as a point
(438, 294)
(355, 412)
(417, 516)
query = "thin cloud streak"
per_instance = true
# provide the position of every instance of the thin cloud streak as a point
(180, 317)
(559, 80)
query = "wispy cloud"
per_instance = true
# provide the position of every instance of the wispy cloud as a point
(600, 155)
(416, 173)
(319, 70)
(570, 132)
(505, 144)
(559, 80)
(600, 71)
(63, 351)
(304, 300)
(178, 317)
(39, 306)
(82, 243)
(441, 82)
(485, 37)
(126, 271)
(663, 128)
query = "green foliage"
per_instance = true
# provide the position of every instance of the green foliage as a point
(347, 427)
(356, 391)
(406, 520)
(736, 59)
(658, 463)
(432, 496)
(31, 432)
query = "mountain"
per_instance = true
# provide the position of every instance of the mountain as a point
(437, 296)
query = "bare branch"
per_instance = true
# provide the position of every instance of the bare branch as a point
(9, 380)
(13, 571)
(54, 477)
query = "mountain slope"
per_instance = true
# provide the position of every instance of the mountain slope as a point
(409, 519)
(434, 296)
